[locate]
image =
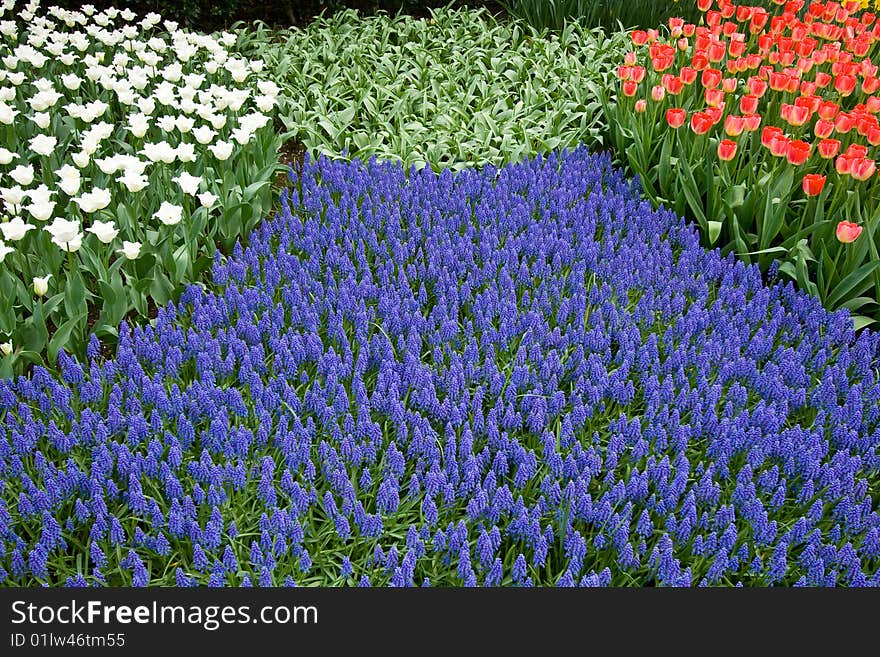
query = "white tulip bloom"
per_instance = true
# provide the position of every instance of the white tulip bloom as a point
(41, 206)
(184, 124)
(212, 66)
(109, 165)
(105, 231)
(172, 72)
(130, 250)
(7, 114)
(221, 150)
(6, 156)
(268, 88)
(218, 121)
(188, 183)
(71, 81)
(67, 58)
(43, 144)
(169, 214)
(257, 65)
(159, 152)
(207, 199)
(81, 159)
(186, 152)
(242, 135)
(12, 198)
(41, 285)
(133, 181)
(10, 61)
(42, 119)
(203, 134)
(15, 229)
(166, 123)
(63, 230)
(7, 94)
(5, 347)
(138, 124)
(4, 250)
(70, 179)
(146, 105)
(23, 174)
(15, 78)
(264, 103)
(95, 200)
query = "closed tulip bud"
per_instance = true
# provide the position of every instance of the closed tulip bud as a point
(812, 184)
(6, 348)
(41, 285)
(658, 93)
(848, 232)
(726, 150)
(641, 105)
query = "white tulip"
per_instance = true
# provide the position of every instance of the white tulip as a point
(4, 251)
(218, 121)
(5, 347)
(188, 183)
(81, 159)
(43, 144)
(138, 124)
(130, 250)
(41, 208)
(70, 179)
(15, 78)
(97, 199)
(23, 174)
(63, 230)
(109, 165)
(203, 134)
(186, 152)
(211, 66)
(41, 285)
(42, 119)
(134, 182)
(242, 135)
(12, 197)
(15, 229)
(146, 105)
(184, 124)
(7, 94)
(105, 231)
(207, 199)
(6, 156)
(7, 114)
(169, 214)
(265, 103)
(221, 150)
(71, 81)
(160, 152)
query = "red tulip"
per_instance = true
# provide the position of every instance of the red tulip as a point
(629, 88)
(638, 73)
(870, 85)
(639, 37)
(823, 79)
(872, 105)
(873, 136)
(828, 148)
(845, 84)
(624, 72)
(848, 232)
(641, 105)
(675, 117)
(676, 27)
(863, 168)
(779, 146)
(843, 165)
(688, 74)
(828, 110)
(751, 122)
(748, 104)
(856, 151)
(823, 128)
(768, 134)
(714, 97)
(658, 93)
(701, 123)
(630, 58)
(843, 123)
(812, 184)
(704, 5)
(729, 85)
(726, 150)
(734, 125)
(798, 152)
(711, 78)
(757, 86)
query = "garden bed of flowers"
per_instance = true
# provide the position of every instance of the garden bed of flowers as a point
(523, 376)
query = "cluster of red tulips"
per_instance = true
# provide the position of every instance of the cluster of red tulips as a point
(787, 86)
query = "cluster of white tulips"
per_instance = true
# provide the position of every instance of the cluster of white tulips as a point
(120, 137)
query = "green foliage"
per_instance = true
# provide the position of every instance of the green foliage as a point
(459, 88)
(610, 14)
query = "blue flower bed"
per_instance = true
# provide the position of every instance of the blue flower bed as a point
(522, 376)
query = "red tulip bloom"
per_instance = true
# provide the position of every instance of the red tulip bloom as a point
(630, 88)
(812, 184)
(638, 73)
(870, 85)
(843, 123)
(845, 84)
(843, 165)
(863, 168)
(873, 136)
(688, 74)
(828, 110)
(748, 104)
(658, 93)
(734, 125)
(726, 150)
(856, 151)
(778, 81)
(848, 232)
(630, 58)
(757, 86)
(729, 85)
(624, 72)
(711, 78)
(823, 129)
(779, 146)
(822, 79)
(675, 117)
(872, 105)
(828, 148)
(641, 105)
(701, 123)
(714, 97)
(704, 5)
(639, 37)
(768, 134)
(798, 152)
(672, 84)
(751, 122)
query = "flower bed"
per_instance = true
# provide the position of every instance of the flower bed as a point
(520, 376)
(761, 125)
(129, 152)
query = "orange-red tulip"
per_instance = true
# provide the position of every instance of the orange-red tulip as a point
(848, 232)
(812, 184)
